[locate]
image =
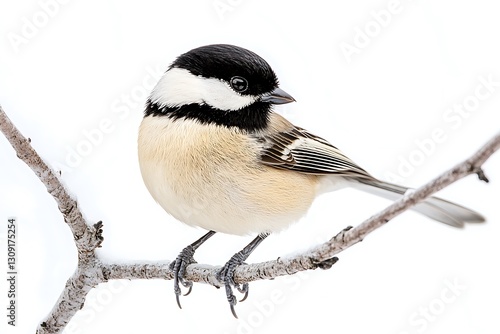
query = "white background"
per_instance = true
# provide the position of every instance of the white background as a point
(89, 63)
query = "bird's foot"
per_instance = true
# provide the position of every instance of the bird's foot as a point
(184, 259)
(226, 275)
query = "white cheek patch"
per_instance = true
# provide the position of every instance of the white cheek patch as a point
(179, 87)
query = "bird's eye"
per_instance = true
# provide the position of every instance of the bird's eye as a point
(239, 84)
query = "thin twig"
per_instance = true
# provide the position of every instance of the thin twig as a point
(92, 271)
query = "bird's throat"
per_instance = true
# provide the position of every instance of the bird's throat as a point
(252, 118)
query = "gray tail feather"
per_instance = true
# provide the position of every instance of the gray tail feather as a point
(433, 207)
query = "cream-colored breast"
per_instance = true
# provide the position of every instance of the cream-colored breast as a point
(204, 176)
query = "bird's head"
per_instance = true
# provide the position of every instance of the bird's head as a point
(221, 84)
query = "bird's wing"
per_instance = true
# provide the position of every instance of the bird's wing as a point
(298, 150)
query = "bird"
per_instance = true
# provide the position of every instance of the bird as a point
(215, 154)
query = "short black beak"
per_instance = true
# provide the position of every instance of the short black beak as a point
(277, 96)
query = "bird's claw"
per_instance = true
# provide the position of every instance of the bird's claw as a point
(179, 266)
(243, 289)
(189, 286)
(233, 311)
(226, 275)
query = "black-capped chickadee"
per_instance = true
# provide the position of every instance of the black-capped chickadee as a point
(214, 154)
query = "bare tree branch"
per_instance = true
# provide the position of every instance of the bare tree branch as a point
(92, 271)
(87, 237)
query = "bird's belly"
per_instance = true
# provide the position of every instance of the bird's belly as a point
(226, 192)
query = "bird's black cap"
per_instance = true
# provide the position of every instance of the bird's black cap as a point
(224, 61)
